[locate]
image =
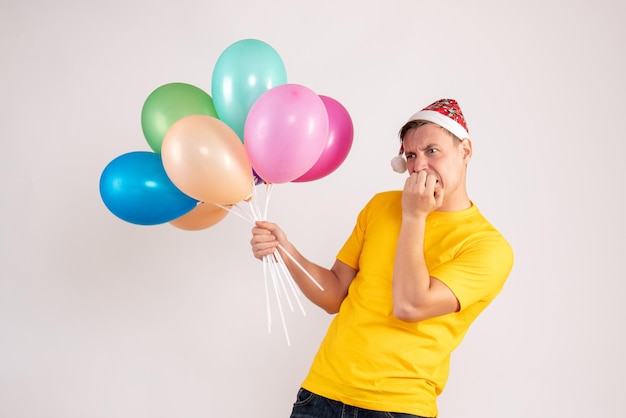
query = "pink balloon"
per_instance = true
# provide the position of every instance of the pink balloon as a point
(338, 143)
(285, 132)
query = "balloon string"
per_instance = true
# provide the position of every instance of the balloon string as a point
(230, 209)
(254, 210)
(251, 220)
(268, 195)
(275, 271)
(292, 285)
(267, 294)
(301, 267)
(280, 306)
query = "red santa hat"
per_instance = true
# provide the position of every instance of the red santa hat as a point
(445, 113)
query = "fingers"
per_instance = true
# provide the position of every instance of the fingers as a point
(265, 224)
(414, 181)
(261, 248)
(421, 177)
(422, 193)
(263, 241)
(430, 183)
(422, 182)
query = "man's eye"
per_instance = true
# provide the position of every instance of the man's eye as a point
(410, 156)
(432, 150)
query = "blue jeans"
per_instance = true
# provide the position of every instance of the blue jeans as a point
(310, 405)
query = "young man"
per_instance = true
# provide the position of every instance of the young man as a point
(420, 265)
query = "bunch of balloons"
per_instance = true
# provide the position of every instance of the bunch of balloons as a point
(209, 152)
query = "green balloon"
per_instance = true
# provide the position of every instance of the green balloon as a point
(169, 103)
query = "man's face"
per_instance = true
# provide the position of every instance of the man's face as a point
(432, 149)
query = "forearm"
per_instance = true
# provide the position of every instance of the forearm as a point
(411, 279)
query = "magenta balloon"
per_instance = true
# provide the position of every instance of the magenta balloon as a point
(285, 132)
(338, 143)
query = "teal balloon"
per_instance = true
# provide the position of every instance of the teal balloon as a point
(169, 103)
(136, 189)
(243, 72)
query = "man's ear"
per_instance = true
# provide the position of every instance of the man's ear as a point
(466, 144)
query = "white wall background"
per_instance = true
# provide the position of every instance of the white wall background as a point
(102, 318)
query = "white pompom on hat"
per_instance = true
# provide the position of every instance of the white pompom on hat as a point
(398, 163)
(445, 113)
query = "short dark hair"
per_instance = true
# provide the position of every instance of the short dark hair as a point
(412, 124)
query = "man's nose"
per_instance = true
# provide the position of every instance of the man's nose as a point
(419, 164)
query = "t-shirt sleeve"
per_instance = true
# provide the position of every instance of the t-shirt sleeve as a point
(479, 270)
(350, 253)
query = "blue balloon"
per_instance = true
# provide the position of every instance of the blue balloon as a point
(243, 72)
(136, 189)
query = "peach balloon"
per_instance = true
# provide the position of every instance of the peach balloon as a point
(203, 216)
(205, 159)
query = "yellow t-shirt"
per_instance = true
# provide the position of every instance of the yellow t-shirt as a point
(372, 360)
